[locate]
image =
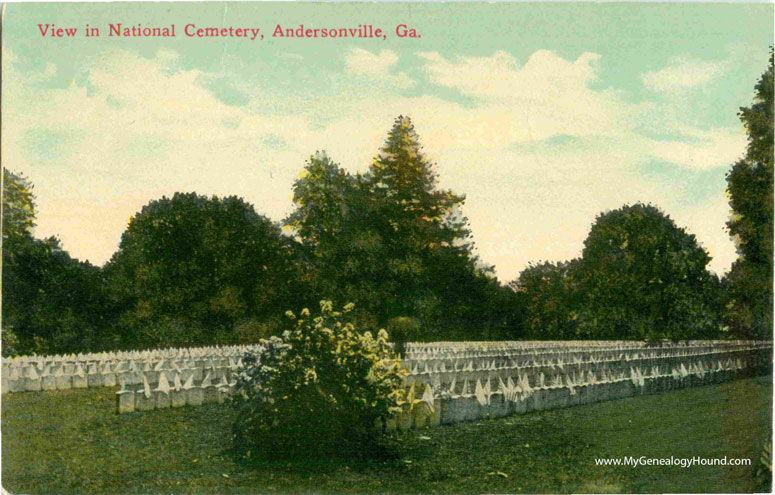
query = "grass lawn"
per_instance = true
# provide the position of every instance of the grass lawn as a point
(73, 442)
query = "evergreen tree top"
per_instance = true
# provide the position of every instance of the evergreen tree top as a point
(401, 163)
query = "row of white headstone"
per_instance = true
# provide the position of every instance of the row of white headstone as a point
(143, 396)
(436, 365)
(450, 371)
(553, 345)
(452, 384)
(33, 373)
(560, 352)
(488, 391)
(439, 374)
(451, 405)
(472, 400)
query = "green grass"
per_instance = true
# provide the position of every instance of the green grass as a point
(73, 442)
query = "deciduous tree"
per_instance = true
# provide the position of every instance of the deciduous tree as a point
(189, 268)
(750, 190)
(550, 294)
(644, 277)
(396, 244)
(52, 303)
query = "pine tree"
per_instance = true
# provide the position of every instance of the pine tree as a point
(417, 216)
(396, 245)
(425, 236)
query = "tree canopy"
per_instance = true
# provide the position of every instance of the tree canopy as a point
(551, 299)
(198, 270)
(51, 302)
(644, 277)
(425, 238)
(750, 191)
(190, 268)
(18, 206)
(395, 244)
(639, 277)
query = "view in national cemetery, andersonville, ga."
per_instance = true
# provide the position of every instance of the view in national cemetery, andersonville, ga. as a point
(398, 248)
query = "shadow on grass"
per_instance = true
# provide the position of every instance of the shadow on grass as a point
(312, 459)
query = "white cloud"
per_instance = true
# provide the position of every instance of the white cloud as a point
(547, 96)
(551, 96)
(364, 63)
(376, 67)
(702, 150)
(545, 75)
(527, 199)
(141, 138)
(682, 73)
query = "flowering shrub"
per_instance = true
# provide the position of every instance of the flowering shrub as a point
(320, 388)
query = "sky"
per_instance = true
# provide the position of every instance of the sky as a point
(543, 114)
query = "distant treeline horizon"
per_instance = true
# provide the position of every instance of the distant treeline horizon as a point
(195, 270)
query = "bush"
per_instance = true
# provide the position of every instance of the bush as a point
(317, 390)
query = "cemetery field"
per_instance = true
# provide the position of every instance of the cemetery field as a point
(72, 441)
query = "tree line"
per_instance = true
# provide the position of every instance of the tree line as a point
(198, 270)
(642, 277)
